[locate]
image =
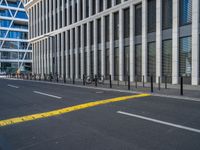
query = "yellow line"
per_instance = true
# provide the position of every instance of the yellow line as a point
(66, 110)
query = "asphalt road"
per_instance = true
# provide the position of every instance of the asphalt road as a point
(146, 123)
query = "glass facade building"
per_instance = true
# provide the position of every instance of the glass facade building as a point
(15, 50)
(136, 38)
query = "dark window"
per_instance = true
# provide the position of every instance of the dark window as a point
(167, 14)
(151, 16)
(107, 29)
(99, 30)
(138, 19)
(126, 23)
(116, 26)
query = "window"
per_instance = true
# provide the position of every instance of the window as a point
(116, 63)
(167, 59)
(151, 16)
(126, 23)
(185, 12)
(167, 14)
(107, 29)
(116, 26)
(126, 61)
(138, 61)
(151, 58)
(138, 19)
(185, 55)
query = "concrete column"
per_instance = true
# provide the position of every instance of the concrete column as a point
(62, 54)
(50, 18)
(121, 45)
(58, 54)
(71, 54)
(90, 7)
(78, 10)
(158, 40)
(95, 47)
(144, 39)
(111, 45)
(103, 48)
(195, 42)
(132, 43)
(51, 54)
(54, 15)
(48, 56)
(113, 3)
(46, 17)
(175, 41)
(67, 54)
(82, 51)
(39, 57)
(73, 11)
(58, 12)
(42, 57)
(45, 57)
(97, 6)
(84, 8)
(88, 50)
(43, 18)
(63, 13)
(68, 13)
(36, 21)
(39, 19)
(77, 53)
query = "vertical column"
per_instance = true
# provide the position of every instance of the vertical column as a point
(39, 57)
(54, 14)
(73, 11)
(51, 53)
(195, 42)
(78, 10)
(158, 39)
(132, 43)
(90, 7)
(49, 13)
(113, 3)
(58, 54)
(47, 56)
(144, 39)
(77, 53)
(121, 45)
(175, 59)
(47, 16)
(43, 17)
(82, 51)
(95, 47)
(58, 14)
(67, 54)
(36, 20)
(111, 45)
(44, 55)
(62, 54)
(68, 13)
(84, 8)
(71, 54)
(103, 50)
(88, 49)
(63, 13)
(97, 6)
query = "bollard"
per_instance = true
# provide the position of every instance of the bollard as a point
(95, 80)
(165, 82)
(151, 84)
(181, 85)
(143, 80)
(64, 78)
(129, 83)
(110, 78)
(83, 79)
(159, 83)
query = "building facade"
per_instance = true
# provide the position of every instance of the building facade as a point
(15, 51)
(140, 38)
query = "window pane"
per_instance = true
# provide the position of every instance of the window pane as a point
(185, 12)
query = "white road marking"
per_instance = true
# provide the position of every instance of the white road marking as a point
(160, 122)
(45, 94)
(13, 86)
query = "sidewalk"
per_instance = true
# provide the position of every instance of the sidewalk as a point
(172, 90)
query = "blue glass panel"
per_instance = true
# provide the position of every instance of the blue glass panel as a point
(21, 15)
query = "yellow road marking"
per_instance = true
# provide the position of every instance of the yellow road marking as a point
(66, 110)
